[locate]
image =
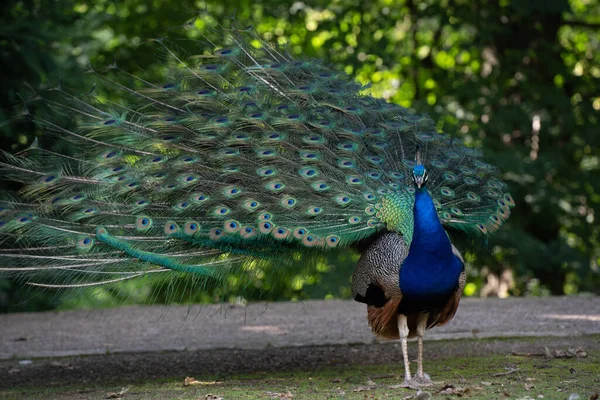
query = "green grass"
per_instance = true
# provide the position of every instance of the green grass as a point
(486, 377)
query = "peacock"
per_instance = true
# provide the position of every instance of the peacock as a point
(244, 155)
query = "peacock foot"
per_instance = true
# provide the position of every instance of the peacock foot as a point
(422, 380)
(408, 383)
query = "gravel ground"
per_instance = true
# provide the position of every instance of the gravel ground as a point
(312, 323)
(139, 343)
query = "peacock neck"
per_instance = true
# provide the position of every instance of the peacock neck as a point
(430, 271)
(429, 237)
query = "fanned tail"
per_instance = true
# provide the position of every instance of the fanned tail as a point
(241, 157)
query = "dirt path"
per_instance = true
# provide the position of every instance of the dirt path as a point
(143, 343)
(313, 323)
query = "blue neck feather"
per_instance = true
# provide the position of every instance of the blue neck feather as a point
(431, 270)
(429, 237)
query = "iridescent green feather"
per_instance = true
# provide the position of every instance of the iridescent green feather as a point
(242, 153)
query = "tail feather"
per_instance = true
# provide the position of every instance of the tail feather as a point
(241, 155)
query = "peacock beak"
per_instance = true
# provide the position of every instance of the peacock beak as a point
(419, 181)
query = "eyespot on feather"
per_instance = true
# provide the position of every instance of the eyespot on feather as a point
(470, 181)
(310, 156)
(456, 211)
(231, 226)
(314, 211)
(187, 179)
(191, 228)
(450, 176)
(482, 228)
(248, 232)
(251, 204)
(346, 163)
(275, 186)
(473, 197)
(227, 52)
(266, 153)
(372, 223)
(265, 227)
(308, 172)
(266, 171)
(274, 136)
(509, 200)
(354, 220)
(143, 223)
(354, 180)
(266, 216)
(348, 146)
(288, 202)
(181, 206)
(280, 233)
(221, 211)
(300, 232)
(310, 240)
(199, 198)
(49, 179)
(320, 186)
(171, 228)
(447, 192)
(369, 196)
(332, 240)
(216, 233)
(313, 139)
(109, 155)
(84, 243)
(342, 200)
(232, 191)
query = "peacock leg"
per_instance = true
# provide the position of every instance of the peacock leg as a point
(403, 330)
(421, 378)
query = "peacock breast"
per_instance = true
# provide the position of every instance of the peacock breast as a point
(429, 281)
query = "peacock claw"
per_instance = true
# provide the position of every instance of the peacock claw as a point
(422, 380)
(408, 383)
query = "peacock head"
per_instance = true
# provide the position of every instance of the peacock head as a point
(419, 176)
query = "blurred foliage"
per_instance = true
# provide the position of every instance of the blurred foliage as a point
(521, 79)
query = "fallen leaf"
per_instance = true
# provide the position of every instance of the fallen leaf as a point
(280, 396)
(529, 386)
(189, 381)
(578, 352)
(61, 365)
(511, 370)
(423, 396)
(487, 383)
(210, 397)
(450, 389)
(419, 396)
(117, 395)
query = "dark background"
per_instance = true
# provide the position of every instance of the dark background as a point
(520, 79)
